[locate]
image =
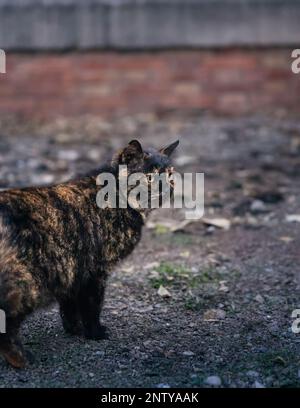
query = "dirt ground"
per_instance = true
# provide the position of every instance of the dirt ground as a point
(231, 288)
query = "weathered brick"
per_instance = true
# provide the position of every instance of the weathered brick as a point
(230, 82)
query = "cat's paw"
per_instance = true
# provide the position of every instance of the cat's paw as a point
(97, 333)
(74, 329)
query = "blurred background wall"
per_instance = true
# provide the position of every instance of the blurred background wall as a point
(111, 57)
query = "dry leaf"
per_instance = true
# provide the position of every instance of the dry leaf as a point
(222, 223)
(169, 225)
(127, 269)
(163, 292)
(213, 315)
(175, 225)
(286, 239)
(151, 265)
(223, 287)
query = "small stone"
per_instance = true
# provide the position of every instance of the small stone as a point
(210, 229)
(42, 179)
(94, 155)
(293, 218)
(188, 353)
(162, 385)
(69, 155)
(99, 353)
(258, 206)
(213, 380)
(259, 299)
(91, 375)
(257, 384)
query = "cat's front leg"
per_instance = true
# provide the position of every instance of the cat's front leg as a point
(70, 315)
(91, 299)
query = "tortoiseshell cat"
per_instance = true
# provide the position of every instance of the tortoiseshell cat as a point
(55, 242)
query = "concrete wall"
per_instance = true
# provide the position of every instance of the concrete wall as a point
(147, 24)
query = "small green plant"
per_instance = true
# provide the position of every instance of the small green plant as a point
(164, 235)
(168, 274)
(272, 359)
(192, 303)
(161, 229)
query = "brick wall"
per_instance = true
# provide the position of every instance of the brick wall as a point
(231, 82)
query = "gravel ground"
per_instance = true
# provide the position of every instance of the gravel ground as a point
(231, 280)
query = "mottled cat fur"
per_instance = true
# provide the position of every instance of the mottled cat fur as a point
(56, 243)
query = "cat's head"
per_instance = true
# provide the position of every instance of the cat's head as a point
(149, 161)
(145, 161)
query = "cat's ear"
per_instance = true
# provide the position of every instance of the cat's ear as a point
(132, 152)
(135, 145)
(168, 150)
